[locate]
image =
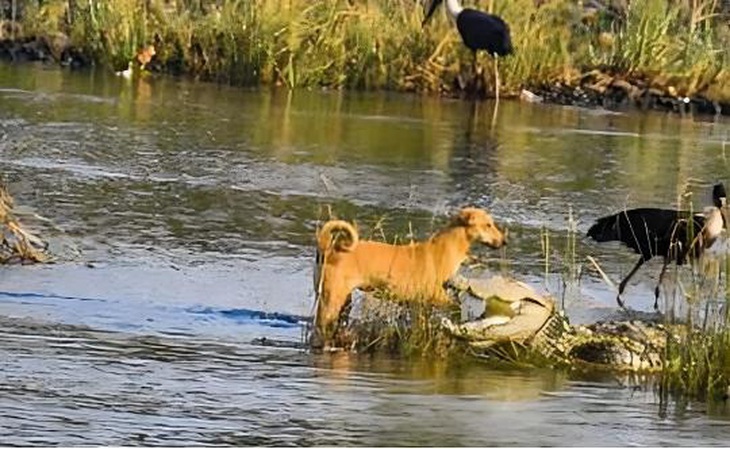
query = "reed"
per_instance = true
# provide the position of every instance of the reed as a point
(697, 359)
(380, 44)
(697, 365)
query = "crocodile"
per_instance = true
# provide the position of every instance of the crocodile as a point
(502, 318)
(538, 326)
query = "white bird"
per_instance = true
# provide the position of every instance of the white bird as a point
(126, 73)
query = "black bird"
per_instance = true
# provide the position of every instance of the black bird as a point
(479, 31)
(672, 234)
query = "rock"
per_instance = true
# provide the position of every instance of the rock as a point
(530, 97)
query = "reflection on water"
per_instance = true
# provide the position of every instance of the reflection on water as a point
(76, 385)
(185, 213)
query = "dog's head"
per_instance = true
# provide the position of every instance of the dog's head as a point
(480, 227)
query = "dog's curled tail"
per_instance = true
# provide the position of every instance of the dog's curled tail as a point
(337, 235)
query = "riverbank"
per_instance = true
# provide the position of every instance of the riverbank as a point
(648, 53)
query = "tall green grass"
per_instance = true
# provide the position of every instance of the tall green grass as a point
(696, 359)
(380, 44)
(697, 362)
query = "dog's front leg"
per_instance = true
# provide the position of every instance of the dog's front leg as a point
(441, 297)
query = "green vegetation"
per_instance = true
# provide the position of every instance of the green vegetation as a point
(697, 362)
(697, 366)
(396, 326)
(697, 359)
(680, 47)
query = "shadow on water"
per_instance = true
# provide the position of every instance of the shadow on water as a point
(184, 217)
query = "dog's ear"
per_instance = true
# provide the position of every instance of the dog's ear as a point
(465, 217)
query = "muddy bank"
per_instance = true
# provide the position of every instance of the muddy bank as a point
(599, 89)
(56, 49)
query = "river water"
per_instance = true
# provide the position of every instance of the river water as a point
(183, 218)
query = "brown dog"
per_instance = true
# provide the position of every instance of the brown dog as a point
(414, 271)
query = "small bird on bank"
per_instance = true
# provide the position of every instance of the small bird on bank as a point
(479, 31)
(141, 59)
(673, 234)
(126, 73)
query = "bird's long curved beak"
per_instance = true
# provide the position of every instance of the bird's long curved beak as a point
(431, 9)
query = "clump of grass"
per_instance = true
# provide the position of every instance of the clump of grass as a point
(560, 257)
(646, 37)
(544, 43)
(110, 31)
(697, 365)
(398, 326)
(697, 360)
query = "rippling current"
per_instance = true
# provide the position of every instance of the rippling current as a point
(182, 215)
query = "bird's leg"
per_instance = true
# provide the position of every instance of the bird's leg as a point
(494, 114)
(623, 283)
(656, 290)
(496, 77)
(473, 83)
(719, 276)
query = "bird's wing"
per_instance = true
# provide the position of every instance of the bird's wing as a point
(644, 230)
